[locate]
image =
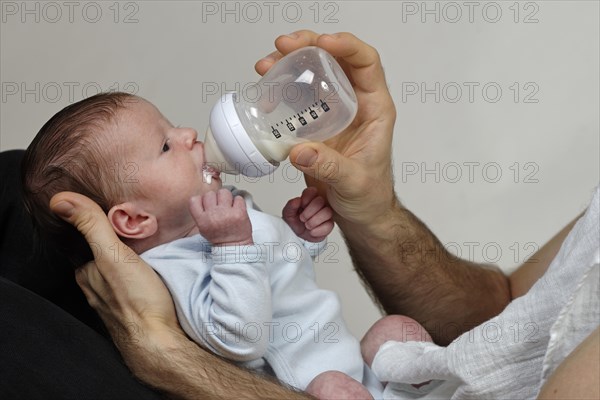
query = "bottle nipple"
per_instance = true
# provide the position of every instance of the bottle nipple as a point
(214, 158)
(232, 151)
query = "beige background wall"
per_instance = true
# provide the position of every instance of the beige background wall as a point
(497, 139)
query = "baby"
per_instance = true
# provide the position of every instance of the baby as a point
(242, 281)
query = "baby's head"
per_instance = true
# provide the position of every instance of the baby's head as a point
(118, 150)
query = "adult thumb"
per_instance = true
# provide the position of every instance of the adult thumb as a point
(87, 216)
(319, 162)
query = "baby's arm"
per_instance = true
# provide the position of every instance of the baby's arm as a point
(221, 218)
(234, 300)
(309, 216)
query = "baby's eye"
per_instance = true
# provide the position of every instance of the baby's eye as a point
(166, 147)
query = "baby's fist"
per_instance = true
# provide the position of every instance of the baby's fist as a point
(221, 218)
(309, 216)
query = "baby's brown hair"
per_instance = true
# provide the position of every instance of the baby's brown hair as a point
(72, 152)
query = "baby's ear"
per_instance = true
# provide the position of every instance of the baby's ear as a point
(130, 221)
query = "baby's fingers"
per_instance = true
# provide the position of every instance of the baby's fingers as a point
(321, 232)
(312, 208)
(321, 217)
(224, 197)
(290, 210)
(240, 203)
(308, 195)
(209, 200)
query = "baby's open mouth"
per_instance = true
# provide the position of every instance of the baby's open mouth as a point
(209, 172)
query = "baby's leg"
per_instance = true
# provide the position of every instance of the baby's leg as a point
(337, 385)
(393, 327)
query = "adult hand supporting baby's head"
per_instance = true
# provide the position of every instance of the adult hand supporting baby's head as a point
(128, 295)
(353, 169)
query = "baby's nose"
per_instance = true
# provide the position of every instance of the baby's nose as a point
(190, 135)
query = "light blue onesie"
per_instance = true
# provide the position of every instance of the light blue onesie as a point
(259, 304)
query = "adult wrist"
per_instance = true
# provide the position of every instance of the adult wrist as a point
(148, 356)
(162, 337)
(375, 224)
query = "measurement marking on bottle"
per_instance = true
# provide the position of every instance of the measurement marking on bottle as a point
(292, 123)
(290, 126)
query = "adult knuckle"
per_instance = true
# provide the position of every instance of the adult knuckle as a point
(329, 171)
(86, 223)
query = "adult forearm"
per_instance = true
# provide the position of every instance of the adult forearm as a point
(180, 369)
(410, 272)
(522, 279)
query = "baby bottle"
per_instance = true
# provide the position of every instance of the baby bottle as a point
(305, 96)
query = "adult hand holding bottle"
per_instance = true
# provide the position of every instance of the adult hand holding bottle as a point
(353, 168)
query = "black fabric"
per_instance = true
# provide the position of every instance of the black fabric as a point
(52, 344)
(48, 354)
(48, 274)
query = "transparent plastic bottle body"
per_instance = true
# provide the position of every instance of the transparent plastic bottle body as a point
(304, 97)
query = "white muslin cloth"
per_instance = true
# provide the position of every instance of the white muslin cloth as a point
(512, 355)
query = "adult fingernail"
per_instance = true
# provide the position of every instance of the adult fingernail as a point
(307, 157)
(64, 209)
(292, 35)
(269, 58)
